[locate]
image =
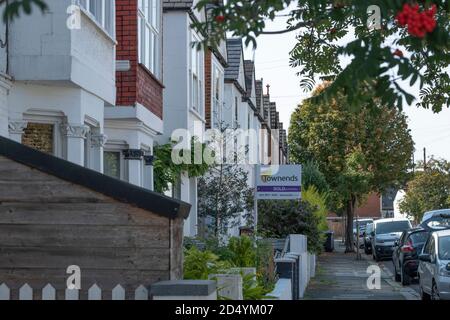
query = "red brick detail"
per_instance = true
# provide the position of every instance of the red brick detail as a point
(149, 92)
(208, 88)
(371, 208)
(136, 85)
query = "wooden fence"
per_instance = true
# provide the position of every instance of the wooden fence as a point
(26, 292)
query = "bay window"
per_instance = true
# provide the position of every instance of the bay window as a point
(149, 35)
(103, 11)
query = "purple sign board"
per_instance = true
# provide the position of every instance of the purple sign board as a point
(278, 182)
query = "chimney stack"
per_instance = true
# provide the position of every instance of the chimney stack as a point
(268, 89)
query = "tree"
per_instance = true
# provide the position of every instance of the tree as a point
(358, 152)
(223, 195)
(312, 177)
(390, 42)
(13, 8)
(428, 190)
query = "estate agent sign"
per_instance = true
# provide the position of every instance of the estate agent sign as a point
(281, 182)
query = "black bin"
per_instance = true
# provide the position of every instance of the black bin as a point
(329, 241)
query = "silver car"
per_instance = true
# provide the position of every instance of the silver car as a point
(434, 267)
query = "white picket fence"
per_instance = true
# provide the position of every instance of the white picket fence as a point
(94, 293)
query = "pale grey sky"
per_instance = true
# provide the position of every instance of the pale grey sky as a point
(272, 64)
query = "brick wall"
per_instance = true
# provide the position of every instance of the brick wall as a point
(135, 85)
(149, 92)
(370, 209)
(39, 136)
(208, 88)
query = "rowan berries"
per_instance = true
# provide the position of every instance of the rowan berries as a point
(418, 23)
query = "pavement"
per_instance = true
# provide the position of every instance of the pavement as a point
(340, 276)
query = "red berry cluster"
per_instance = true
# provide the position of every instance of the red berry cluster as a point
(220, 19)
(419, 22)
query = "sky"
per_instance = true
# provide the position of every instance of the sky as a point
(272, 64)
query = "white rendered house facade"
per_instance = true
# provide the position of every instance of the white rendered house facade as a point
(184, 94)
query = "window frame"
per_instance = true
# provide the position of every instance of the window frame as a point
(149, 35)
(198, 83)
(103, 18)
(122, 163)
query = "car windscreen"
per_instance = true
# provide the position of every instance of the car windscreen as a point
(392, 226)
(444, 248)
(362, 224)
(418, 237)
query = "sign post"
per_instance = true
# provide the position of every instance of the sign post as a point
(277, 182)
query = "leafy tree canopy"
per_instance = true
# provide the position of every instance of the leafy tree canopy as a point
(411, 44)
(428, 190)
(358, 152)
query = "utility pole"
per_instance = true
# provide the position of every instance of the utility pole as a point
(424, 158)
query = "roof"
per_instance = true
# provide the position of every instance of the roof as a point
(249, 69)
(258, 91)
(177, 4)
(117, 189)
(234, 53)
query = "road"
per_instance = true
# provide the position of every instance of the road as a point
(388, 267)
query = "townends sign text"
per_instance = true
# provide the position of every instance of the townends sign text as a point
(278, 182)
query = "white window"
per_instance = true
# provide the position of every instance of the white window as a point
(196, 79)
(217, 96)
(103, 11)
(149, 35)
(114, 164)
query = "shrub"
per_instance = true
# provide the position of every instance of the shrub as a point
(198, 265)
(242, 252)
(281, 218)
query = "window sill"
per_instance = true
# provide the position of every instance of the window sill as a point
(94, 21)
(197, 114)
(152, 75)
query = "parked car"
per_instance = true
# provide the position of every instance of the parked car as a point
(405, 256)
(361, 223)
(434, 267)
(384, 234)
(436, 219)
(368, 238)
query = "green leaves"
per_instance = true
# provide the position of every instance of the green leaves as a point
(428, 190)
(333, 42)
(166, 172)
(15, 7)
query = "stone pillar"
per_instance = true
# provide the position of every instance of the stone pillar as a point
(148, 172)
(5, 85)
(16, 128)
(134, 159)
(75, 137)
(229, 285)
(98, 141)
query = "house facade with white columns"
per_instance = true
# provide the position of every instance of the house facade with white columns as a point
(63, 75)
(84, 83)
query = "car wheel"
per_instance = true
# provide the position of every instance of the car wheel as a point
(435, 292)
(397, 276)
(405, 278)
